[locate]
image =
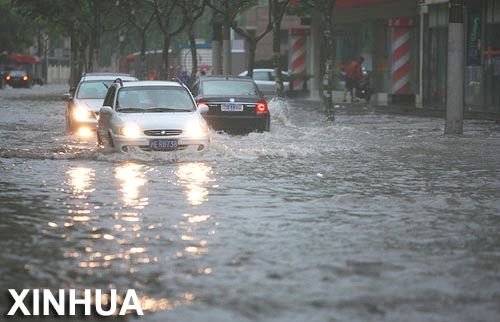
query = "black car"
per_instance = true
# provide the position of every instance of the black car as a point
(235, 103)
(17, 78)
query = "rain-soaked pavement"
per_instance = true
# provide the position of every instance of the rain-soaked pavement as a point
(373, 218)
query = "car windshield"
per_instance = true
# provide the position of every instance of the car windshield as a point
(154, 99)
(93, 89)
(17, 73)
(229, 88)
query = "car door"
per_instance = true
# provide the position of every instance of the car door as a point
(263, 80)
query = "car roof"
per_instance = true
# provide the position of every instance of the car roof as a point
(151, 83)
(107, 76)
(226, 77)
(265, 70)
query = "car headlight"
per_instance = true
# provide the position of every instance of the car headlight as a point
(196, 130)
(82, 113)
(130, 130)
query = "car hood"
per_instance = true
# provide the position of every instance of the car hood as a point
(93, 104)
(160, 121)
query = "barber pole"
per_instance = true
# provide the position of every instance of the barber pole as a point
(401, 55)
(298, 44)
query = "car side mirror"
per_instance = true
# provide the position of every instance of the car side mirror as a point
(106, 110)
(202, 108)
(66, 96)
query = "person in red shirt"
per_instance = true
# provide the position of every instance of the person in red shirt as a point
(353, 75)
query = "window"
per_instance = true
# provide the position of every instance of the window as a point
(438, 16)
(93, 90)
(153, 97)
(261, 75)
(229, 88)
(493, 11)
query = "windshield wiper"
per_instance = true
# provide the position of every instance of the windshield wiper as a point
(130, 109)
(167, 109)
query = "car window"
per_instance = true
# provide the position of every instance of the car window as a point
(17, 73)
(261, 75)
(93, 89)
(229, 88)
(147, 97)
(285, 76)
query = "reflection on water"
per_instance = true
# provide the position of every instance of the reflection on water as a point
(80, 180)
(132, 177)
(195, 177)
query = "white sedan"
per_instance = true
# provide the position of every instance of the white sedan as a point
(151, 116)
(266, 80)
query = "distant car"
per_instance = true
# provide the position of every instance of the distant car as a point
(235, 103)
(266, 80)
(151, 116)
(17, 78)
(85, 101)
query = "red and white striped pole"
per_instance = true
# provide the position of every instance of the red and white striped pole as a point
(401, 55)
(298, 42)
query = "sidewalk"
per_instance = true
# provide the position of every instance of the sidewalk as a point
(426, 111)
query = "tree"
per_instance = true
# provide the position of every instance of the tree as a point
(169, 26)
(228, 9)
(140, 15)
(192, 10)
(253, 39)
(326, 9)
(278, 8)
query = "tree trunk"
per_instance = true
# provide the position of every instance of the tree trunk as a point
(142, 64)
(252, 48)
(166, 56)
(73, 72)
(329, 66)
(194, 54)
(226, 49)
(277, 55)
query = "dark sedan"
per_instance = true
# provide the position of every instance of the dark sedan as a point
(17, 78)
(235, 103)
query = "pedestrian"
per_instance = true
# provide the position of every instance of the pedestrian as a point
(184, 78)
(353, 76)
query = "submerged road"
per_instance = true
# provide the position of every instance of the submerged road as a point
(372, 218)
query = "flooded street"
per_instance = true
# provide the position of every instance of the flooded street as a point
(371, 218)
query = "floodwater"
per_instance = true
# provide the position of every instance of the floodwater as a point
(371, 218)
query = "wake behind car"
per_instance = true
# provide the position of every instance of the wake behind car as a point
(17, 78)
(86, 100)
(151, 116)
(235, 103)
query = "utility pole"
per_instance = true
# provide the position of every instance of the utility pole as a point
(455, 91)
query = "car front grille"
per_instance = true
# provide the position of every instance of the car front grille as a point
(162, 132)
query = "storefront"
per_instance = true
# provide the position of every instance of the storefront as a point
(373, 29)
(435, 54)
(482, 55)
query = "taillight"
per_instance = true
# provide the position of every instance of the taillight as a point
(261, 107)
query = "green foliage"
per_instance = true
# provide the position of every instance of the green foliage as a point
(16, 32)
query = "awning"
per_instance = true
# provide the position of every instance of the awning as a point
(353, 3)
(24, 59)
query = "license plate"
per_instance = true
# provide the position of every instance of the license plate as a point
(231, 107)
(163, 145)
